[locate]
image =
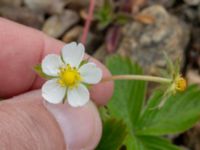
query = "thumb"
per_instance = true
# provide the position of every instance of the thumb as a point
(25, 123)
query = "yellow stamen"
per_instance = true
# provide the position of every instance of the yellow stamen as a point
(180, 84)
(69, 76)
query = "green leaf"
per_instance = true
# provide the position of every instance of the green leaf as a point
(132, 143)
(38, 70)
(104, 15)
(180, 112)
(114, 133)
(157, 143)
(127, 104)
(149, 143)
(128, 97)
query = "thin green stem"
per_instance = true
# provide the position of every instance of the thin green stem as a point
(138, 77)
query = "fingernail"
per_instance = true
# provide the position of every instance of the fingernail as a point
(81, 126)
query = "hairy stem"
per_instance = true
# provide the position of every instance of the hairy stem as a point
(88, 22)
(138, 77)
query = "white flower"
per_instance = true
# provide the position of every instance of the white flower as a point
(69, 76)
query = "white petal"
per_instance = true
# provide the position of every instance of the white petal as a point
(90, 73)
(53, 92)
(78, 96)
(51, 64)
(73, 54)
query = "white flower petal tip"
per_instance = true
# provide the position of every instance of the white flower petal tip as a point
(53, 92)
(51, 64)
(90, 73)
(73, 53)
(79, 96)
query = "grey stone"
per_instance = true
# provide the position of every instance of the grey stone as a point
(146, 43)
(56, 25)
(192, 2)
(22, 15)
(73, 34)
(165, 3)
(192, 137)
(188, 13)
(82, 3)
(193, 77)
(50, 6)
(101, 54)
(11, 2)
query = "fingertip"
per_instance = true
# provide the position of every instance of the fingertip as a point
(81, 126)
(18, 56)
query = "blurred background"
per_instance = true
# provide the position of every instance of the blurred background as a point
(141, 29)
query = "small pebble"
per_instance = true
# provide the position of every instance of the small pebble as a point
(22, 15)
(73, 34)
(57, 25)
(11, 2)
(192, 2)
(43, 6)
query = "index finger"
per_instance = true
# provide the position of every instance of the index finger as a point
(21, 49)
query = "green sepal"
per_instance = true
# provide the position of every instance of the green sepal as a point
(83, 62)
(38, 70)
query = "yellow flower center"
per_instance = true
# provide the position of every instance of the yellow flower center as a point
(180, 84)
(69, 76)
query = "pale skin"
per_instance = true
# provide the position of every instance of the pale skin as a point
(24, 122)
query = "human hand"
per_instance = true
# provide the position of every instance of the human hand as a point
(25, 122)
